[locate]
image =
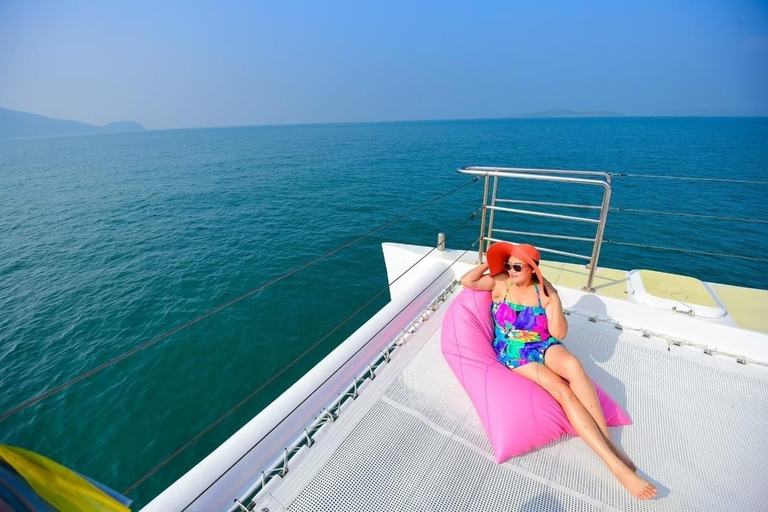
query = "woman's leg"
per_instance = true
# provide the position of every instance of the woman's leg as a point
(563, 363)
(559, 360)
(586, 427)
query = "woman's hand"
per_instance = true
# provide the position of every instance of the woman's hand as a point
(548, 286)
(477, 279)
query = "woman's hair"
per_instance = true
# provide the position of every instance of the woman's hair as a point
(534, 277)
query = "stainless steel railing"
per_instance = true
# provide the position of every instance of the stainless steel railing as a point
(489, 233)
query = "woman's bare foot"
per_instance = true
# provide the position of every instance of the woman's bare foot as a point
(636, 485)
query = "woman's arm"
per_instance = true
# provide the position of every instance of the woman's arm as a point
(556, 322)
(476, 279)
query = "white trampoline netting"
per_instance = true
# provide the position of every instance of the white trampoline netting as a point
(412, 440)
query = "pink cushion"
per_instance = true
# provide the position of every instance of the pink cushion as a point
(518, 414)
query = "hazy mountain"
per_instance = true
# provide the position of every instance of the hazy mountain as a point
(561, 112)
(122, 126)
(22, 124)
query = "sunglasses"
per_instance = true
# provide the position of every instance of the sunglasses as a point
(517, 267)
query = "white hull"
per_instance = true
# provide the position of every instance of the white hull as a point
(437, 412)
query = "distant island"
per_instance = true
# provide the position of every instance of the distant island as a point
(562, 112)
(23, 124)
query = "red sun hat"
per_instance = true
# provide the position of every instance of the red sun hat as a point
(499, 253)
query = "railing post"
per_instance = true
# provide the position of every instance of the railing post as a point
(492, 215)
(481, 249)
(599, 237)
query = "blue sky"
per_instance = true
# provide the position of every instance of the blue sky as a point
(196, 64)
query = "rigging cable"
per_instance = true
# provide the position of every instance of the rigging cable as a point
(687, 178)
(711, 217)
(42, 396)
(296, 360)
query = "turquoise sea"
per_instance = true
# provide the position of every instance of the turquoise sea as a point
(109, 241)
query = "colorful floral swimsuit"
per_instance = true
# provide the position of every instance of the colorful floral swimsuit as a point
(520, 332)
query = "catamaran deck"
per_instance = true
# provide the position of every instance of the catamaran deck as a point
(412, 440)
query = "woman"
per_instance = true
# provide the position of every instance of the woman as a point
(528, 326)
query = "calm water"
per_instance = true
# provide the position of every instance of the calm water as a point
(108, 241)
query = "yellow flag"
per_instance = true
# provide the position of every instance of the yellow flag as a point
(59, 486)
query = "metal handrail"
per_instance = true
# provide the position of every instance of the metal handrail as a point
(542, 203)
(490, 207)
(470, 169)
(543, 235)
(542, 214)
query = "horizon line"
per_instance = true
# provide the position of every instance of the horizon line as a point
(517, 117)
(521, 117)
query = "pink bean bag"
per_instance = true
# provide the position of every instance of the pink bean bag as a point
(517, 414)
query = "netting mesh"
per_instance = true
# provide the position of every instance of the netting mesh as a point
(700, 434)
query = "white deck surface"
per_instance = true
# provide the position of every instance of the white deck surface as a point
(412, 440)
